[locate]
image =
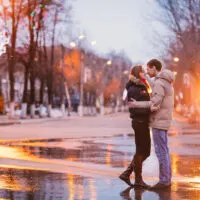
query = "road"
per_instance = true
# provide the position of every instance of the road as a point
(81, 158)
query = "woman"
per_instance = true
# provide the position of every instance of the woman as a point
(137, 88)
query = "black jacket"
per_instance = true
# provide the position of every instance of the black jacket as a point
(138, 91)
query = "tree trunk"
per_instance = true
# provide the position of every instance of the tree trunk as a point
(68, 99)
(12, 91)
(62, 98)
(25, 94)
(50, 74)
(41, 91)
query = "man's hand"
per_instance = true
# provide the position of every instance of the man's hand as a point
(154, 108)
(131, 104)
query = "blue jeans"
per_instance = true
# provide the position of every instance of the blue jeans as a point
(162, 152)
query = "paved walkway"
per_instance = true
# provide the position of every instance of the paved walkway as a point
(98, 148)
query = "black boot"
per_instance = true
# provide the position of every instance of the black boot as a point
(125, 176)
(138, 173)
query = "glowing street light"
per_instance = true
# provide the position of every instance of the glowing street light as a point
(81, 37)
(109, 62)
(176, 59)
(72, 44)
(175, 73)
(93, 42)
(126, 72)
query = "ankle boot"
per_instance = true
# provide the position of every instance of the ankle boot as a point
(138, 173)
(125, 176)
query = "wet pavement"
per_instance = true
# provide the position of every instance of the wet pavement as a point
(88, 167)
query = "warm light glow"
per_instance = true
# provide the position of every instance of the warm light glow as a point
(81, 191)
(12, 183)
(108, 155)
(175, 73)
(125, 163)
(109, 62)
(13, 153)
(93, 195)
(93, 43)
(196, 179)
(149, 90)
(126, 72)
(71, 185)
(72, 44)
(176, 59)
(174, 160)
(81, 37)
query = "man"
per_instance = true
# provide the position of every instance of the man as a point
(160, 120)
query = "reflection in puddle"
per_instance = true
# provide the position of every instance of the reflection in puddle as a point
(109, 153)
(23, 184)
(112, 152)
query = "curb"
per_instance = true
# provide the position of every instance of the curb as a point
(29, 121)
(7, 123)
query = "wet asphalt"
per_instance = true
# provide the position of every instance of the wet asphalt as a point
(38, 169)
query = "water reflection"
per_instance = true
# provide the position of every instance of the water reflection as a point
(112, 152)
(28, 184)
(108, 153)
(142, 194)
(188, 166)
(87, 151)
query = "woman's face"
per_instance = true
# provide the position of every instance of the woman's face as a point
(141, 74)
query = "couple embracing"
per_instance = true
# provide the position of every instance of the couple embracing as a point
(154, 111)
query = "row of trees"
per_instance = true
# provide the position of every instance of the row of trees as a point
(34, 30)
(182, 19)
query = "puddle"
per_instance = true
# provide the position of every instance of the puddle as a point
(28, 185)
(111, 153)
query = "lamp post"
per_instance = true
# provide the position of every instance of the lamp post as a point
(80, 109)
(102, 109)
(82, 66)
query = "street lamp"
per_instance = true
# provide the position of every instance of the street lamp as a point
(81, 37)
(126, 72)
(176, 59)
(80, 109)
(109, 62)
(72, 44)
(93, 43)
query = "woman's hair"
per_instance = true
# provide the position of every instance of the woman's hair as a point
(135, 71)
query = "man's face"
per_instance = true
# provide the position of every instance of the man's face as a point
(151, 71)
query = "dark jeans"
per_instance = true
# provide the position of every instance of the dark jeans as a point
(142, 138)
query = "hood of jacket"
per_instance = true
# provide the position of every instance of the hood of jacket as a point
(166, 75)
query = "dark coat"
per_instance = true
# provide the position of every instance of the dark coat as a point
(138, 91)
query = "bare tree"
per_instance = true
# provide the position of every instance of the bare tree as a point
(12, 15)
(182, 18)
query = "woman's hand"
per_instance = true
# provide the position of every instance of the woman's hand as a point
(131, 104)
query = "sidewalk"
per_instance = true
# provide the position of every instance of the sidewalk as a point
(177, 122)
(4, 120)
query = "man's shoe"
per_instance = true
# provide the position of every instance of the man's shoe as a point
(126, 179)
(159, 186)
